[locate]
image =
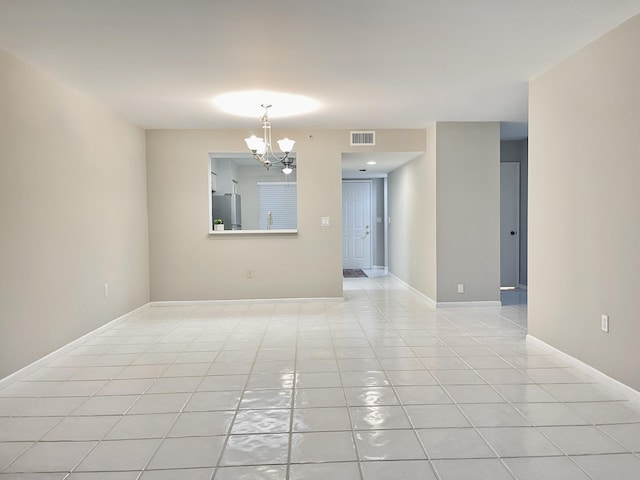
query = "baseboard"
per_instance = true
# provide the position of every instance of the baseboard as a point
(632, 394)
(433, 303)
(426, 298)
(24, 371)
(198, 303)
(480, 303)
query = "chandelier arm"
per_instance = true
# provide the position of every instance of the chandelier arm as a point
(265, 159)
(276, 159)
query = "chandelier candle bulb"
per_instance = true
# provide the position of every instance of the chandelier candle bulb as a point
(255, 144)
(286, 145)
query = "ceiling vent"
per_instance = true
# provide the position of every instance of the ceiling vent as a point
(363, 138)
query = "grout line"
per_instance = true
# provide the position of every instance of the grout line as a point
(364, 317)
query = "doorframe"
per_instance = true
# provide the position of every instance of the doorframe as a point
(372, 223)
(517, 164)
(385, 225)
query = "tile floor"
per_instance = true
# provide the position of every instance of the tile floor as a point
(380, 386)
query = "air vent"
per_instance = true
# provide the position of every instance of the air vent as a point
(363, 138)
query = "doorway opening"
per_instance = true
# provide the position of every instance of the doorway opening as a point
(509, 225)
(371, 168)
(364, 250)
(513, 221)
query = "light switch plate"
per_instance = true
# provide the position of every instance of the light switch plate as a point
(325, 222)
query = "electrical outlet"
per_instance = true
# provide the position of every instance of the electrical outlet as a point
(604, 323)
(106, 289)
(461, 288)
(249, 273)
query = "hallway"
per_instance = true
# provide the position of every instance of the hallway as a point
(380, 386)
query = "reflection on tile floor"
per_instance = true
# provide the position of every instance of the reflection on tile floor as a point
(381, 386)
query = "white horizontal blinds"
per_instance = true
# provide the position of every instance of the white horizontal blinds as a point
(278, 205)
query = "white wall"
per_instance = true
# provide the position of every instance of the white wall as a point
(189, 264)
(584, 177)
(73, 213)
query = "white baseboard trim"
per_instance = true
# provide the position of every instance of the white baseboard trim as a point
(433, 303)
(481, 303)
(200, 303)
(426, 298)
(632, 394)
(24, 371)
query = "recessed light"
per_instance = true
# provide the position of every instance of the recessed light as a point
(248, 103)
(371, 162)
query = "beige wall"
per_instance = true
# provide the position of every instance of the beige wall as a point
(584, 177)
(445, 214)
(412, 208)
(73, 215)
(468, 211)
(189, 264)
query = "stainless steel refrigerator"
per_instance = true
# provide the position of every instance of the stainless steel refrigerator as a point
(228, 208)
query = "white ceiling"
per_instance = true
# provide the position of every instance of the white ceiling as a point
(371, 63)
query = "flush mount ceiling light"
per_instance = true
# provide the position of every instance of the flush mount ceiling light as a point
(371, 162)
(247, 103)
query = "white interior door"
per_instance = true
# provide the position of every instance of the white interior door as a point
(509, 222)
(356, 224)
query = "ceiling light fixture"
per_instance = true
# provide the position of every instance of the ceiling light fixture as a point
(262, 150)
(371, 162)
(246, 103)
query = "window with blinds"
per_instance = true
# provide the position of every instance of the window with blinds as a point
(277, 205)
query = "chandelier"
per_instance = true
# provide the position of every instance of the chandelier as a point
(262, 150)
